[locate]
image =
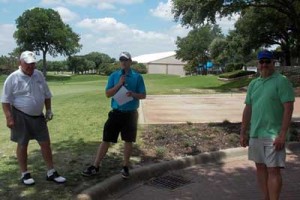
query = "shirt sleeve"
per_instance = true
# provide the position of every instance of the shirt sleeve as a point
(47, 92)
(141, 86)
(248, 96)
(285, 90)
(7, 94)
(110, 83)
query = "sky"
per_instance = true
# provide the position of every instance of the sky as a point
(106, 26)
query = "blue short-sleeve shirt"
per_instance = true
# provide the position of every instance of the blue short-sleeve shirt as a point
(134, 82)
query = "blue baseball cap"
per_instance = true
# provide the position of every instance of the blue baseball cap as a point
(265, 54)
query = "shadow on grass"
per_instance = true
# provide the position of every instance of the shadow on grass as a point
(72, 156)
(236, 85)
(58, 78)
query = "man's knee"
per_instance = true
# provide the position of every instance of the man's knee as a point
(274, 171)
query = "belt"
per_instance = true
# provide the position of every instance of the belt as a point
(123, 111)
(26, 113)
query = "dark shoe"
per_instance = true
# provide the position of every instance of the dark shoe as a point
(55, 177)
(125, 172)
(90, 171)
(27, 180)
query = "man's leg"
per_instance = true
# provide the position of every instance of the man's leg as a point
(262, 179)
(22, 156)
(127, 153)
(274, 182)
(101, 152)
(47, 153)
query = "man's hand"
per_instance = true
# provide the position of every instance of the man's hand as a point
(48, 115)
(279, 143)
(10, 122)
(244, 140)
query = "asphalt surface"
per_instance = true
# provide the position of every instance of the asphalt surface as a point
(219, 175)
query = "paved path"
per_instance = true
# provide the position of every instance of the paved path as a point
(232, 180)
(171, 109)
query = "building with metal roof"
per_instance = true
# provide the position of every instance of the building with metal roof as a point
(162, 63)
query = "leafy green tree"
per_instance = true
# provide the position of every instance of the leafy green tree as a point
(273, 31)
(43, 30)
(194, 47)
(217, 49)
(139, 67)
(196, 13)
(101, 60)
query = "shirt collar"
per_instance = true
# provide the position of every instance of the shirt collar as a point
(25, 75)
(128, 74)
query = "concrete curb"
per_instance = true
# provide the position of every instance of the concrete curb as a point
(116, 183)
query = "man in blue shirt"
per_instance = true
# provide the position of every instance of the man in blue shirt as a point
(123, 118)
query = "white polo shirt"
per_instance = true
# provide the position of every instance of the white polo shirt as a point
(26, 93)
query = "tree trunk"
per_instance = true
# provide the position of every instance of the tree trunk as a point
(44, 64)
(287, 57)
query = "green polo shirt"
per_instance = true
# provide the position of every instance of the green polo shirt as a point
(266, 97)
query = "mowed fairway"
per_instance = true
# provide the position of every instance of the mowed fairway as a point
(80, 109)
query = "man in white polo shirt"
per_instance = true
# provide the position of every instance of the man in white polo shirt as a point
(25, 93)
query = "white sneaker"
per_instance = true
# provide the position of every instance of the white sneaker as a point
(56, 178)
(27, 180)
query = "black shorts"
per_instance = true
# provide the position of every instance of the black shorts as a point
(120, 122)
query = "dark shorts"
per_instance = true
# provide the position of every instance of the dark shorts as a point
(28, 127)
(120, 122)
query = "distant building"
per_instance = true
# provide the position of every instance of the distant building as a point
(162, 63)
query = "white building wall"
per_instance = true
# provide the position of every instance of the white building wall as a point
(156, 68)
(176, 70)
(169, 65)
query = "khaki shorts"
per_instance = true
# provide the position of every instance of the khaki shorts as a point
(262, 150)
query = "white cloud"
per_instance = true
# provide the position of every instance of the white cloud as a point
(103, 4)
(66, 14)
(179, 31)
(102, 24)
(110, 36)
(227, 23)
(7, 42)
(52, 2)
(163, 11)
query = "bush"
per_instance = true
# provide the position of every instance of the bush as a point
(235, 74)
(110, 68)
(233, 67)
(139, 67)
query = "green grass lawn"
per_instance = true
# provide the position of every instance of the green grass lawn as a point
(80, 109)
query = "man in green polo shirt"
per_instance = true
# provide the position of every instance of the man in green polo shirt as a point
(269, 107)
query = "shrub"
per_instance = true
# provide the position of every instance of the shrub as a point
(233, 67)
(235, 74)
(139, 67)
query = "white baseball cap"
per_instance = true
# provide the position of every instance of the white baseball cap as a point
(28, 57)
(125, 55)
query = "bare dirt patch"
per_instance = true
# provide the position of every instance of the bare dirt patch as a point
(166, 142)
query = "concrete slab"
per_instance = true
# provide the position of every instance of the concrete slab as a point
(170, 109)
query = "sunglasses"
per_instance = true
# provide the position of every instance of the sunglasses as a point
(266, 61)
(123, 59)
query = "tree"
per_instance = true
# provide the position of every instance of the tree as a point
(195, 13)
(101, 60)
(43, 30)
(217, 49)
(265, 27)
(194, 47)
